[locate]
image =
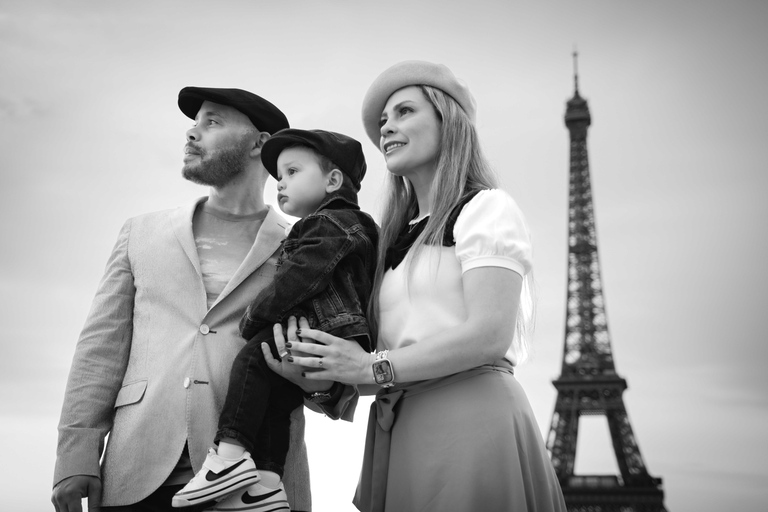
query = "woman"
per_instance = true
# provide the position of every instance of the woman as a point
(451, 429)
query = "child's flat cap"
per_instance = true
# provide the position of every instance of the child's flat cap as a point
(342, 150)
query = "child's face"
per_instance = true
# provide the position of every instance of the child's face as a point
(301, 183)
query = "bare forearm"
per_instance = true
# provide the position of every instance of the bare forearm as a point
(446, 353)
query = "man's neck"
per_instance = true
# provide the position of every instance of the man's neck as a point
(241, 197)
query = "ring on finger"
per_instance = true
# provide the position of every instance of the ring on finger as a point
(283, 354)
(320, 362)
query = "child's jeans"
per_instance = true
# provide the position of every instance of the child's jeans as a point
(258, 407)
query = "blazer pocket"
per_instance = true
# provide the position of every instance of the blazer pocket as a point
(131, 393)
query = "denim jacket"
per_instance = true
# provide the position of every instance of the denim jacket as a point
(325, 273)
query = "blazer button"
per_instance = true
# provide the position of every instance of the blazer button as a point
(204, 329)
(187, 382)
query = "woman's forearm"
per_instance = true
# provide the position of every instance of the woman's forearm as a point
(492, 296)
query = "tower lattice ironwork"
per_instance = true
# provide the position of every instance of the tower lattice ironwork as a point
(589, 384)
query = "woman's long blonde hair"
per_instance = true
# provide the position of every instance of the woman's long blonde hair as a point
(461, 170)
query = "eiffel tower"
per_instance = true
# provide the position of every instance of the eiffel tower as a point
(588, 383)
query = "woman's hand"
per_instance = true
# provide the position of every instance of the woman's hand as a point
(291, 372)
(329, 357)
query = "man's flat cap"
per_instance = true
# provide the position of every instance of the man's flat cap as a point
(264, 115)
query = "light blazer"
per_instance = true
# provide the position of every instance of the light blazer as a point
(152, 364)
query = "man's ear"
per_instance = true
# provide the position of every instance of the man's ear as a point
(259, 142)
(333, 181)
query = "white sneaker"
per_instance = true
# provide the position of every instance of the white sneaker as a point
(217, 479)
(256, 498)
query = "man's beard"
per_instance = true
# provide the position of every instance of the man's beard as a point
(219, 167)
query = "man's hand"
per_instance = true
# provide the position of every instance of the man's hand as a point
(68, 494)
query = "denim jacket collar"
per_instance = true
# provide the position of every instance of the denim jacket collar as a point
(343, 198)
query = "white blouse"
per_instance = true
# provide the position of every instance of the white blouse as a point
(428, 297)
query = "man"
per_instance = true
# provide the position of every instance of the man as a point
(152, 363)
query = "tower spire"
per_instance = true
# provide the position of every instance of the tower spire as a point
(575, 72)
(577, 117)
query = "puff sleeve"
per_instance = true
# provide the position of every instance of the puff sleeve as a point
(491, 232)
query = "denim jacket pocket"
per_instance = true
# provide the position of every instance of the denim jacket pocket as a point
(131, 393)
(287, 248)
(329, 304)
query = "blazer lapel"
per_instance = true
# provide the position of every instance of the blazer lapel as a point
(182, 228)
(268, 239)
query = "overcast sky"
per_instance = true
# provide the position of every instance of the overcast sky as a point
(90, 135)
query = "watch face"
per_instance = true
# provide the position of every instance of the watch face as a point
(382, 372)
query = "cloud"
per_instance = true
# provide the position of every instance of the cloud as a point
(15, 108)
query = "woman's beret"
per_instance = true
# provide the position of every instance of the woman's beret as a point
(412, 72)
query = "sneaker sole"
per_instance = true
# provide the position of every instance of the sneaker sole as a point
(275, 506)
(266, 507)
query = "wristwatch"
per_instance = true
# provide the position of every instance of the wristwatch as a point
(383, 373)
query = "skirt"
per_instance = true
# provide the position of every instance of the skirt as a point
(468, 444)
